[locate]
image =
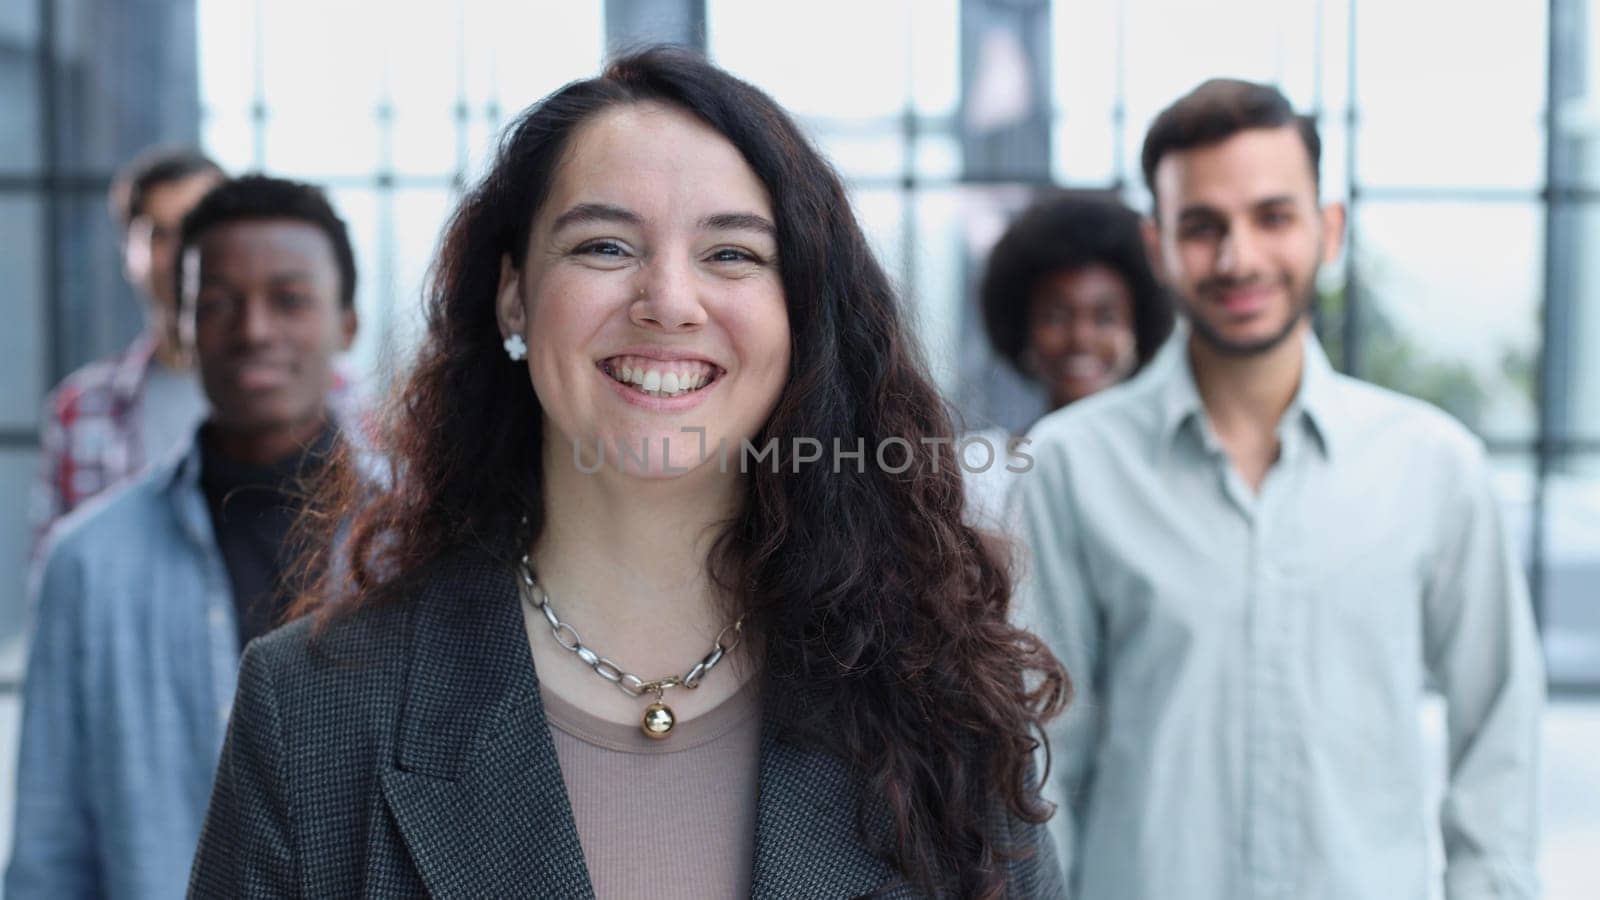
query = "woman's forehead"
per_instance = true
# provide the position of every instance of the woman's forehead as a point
(658, 161)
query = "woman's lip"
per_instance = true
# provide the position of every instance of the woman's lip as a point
(662, 354)
(1065, 369)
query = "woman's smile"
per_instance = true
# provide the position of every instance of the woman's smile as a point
(661, 378)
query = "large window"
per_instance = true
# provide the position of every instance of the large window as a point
(394, 112)
(1466, 138)
(1439, 146)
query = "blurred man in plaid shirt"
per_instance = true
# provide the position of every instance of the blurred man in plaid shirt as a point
(111, 418)
(105, 421)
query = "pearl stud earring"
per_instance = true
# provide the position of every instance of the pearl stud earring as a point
(516, 348)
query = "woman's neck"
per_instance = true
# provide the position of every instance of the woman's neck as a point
(625, 562)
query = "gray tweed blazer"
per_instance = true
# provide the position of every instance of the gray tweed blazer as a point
(405, 753)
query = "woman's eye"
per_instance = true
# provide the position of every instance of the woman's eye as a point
(602, 248)
(733, 254)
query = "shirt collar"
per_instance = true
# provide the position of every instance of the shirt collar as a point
(133, 367)
(1180, 403)
(221, 474)
(1179, 398)
(1317, 398)
(183, 490)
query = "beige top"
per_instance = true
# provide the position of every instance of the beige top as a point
(669, 818)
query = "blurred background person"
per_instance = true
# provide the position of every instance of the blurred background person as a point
(1251, 564)
(147, 599)
(108, 419)
(1069, 300)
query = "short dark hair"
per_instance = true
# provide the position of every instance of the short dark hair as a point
(149, 170)
(1217, 110)
(1062, 232)
(260, 197)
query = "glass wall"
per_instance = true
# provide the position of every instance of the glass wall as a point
(79, 94)
(1440, 149)
(1470, 159)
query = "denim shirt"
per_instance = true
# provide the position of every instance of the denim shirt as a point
(130, 680)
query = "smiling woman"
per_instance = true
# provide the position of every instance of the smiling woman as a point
(650, 295)
(663, 675)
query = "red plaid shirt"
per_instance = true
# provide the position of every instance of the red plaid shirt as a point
(91, 439)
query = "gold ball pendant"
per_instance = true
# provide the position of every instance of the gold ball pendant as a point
(658, 721)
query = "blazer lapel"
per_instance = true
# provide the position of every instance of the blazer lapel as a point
(807, 840)
(475, 787)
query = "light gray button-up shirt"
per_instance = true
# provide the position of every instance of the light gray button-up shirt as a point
(1249, 666)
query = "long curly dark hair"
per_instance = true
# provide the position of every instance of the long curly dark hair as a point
(872, 595)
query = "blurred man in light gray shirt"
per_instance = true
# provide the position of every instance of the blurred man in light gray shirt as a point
(1251, 564)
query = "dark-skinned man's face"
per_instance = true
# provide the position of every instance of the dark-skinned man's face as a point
(262, 297)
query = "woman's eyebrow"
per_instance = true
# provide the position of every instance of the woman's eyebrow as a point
(595, 212)
(739, 221)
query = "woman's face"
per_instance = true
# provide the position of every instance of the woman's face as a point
(1080, 332)
(650, 297)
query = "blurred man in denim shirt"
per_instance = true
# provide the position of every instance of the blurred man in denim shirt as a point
(147, 597)
(105, 421)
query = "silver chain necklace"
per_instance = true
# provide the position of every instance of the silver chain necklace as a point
(658, 719)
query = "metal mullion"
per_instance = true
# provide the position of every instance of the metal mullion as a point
(55, 355)
(1351, 326)
(1575, 689)
(1119, 104)
(384, 182)
(1485, 195)
(258, 103)
(870, 126)
(462, 112)
(63, 182)
(383, 178)
(1567, 194)
(1567, 446)
(1317, 98)
(1556, 291)
(946, 181)
(908, 178)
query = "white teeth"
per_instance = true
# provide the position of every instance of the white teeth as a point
(657, 382)
(1083, 366)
